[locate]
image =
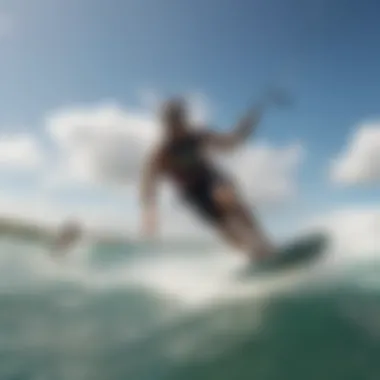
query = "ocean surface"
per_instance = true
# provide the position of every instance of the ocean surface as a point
(180, 312)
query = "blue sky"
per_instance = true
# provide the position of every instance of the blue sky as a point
(64, 53)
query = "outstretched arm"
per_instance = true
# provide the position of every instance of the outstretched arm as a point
(150, 177)
(246, 125)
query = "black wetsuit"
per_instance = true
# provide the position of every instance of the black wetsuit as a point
(193, 175)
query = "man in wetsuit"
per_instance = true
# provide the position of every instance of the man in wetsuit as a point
(181, 157)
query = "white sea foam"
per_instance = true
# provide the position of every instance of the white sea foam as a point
(191, 278)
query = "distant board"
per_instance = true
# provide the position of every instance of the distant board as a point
(299, 251)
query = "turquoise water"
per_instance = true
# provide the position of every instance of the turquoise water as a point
(131, 312)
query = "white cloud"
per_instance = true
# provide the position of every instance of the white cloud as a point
(19, 151)
(267, 174)
(105, 143)
(355, 231)
(360, 161)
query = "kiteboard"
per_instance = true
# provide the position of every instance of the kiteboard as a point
(297, 252)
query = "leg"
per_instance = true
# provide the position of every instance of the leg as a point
(231, 236)
(208, 205)
(239, 226)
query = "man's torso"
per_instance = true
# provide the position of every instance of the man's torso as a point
(185, 160)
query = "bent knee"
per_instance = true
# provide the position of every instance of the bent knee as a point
(225, 196)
